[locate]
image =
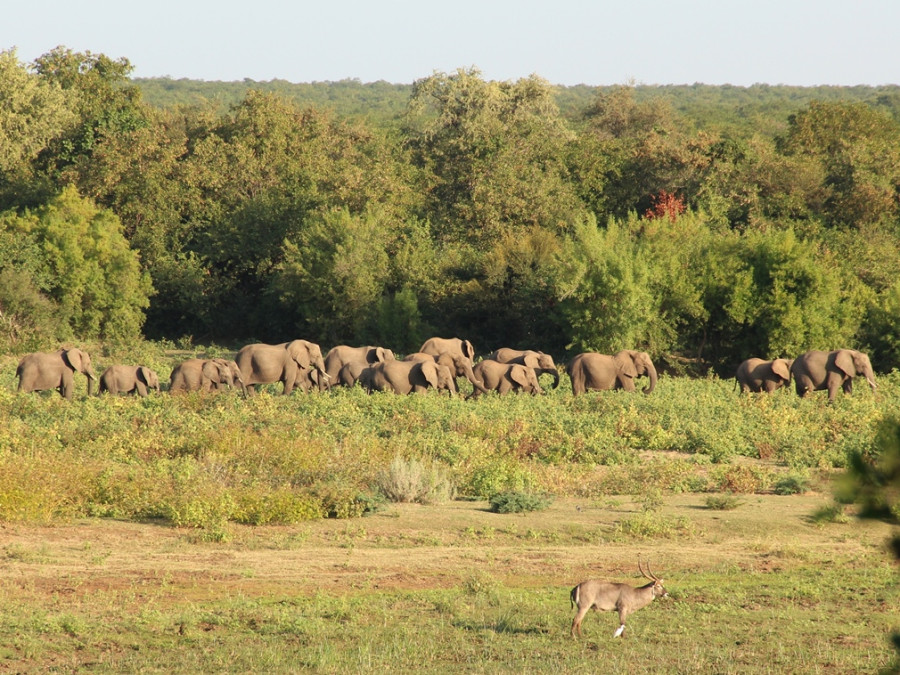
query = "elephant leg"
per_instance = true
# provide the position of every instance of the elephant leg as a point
(627, 383)
(67, 387)
(848, 386)
(141, 389)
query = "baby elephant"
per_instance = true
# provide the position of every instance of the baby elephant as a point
(758, 375)
(506, 377)
(128, 380)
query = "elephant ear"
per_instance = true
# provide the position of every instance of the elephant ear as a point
(380, 354)
(299, 352)
(519, 375)
(74, 358)
(625, 365)
(429, 370)
(468, 350)
(143, 374)
(532, 360)
(780, 367)
(843, 359)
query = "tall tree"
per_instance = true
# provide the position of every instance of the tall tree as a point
(92, 274)
(33, 112)
(493, 154)
(858, 148)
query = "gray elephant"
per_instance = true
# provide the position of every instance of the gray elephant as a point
(758, 375)
(540, 362)
(205, 375)
(506, 377)
(817, 370)
(460, 352)
(286, 362)
(601, 371)
(129, 380)
(358, 357)
(406, 377)
(55, 370)
(349, 374)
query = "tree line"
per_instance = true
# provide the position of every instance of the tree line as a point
(510, 213)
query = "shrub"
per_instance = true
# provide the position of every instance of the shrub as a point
(519, 502)
(791, 485)
(649, 525)
(499, 476)
(409, 480)
(742, 478)
(341, 500)
(832, 513)
(283, 507)
(726, 502)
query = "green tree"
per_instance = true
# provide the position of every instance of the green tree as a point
(858, 149)
(645, 148)
(335, 273)
(258, 177)
(605, 296)
(493, 155)
(769, 294)
(93, 276)
(104, 101)
(33, 112)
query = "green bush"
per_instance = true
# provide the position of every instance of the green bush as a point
(791, 485)
(278, 507)
(727, 502)
(519, 502)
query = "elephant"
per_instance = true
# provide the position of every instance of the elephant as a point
(406, 377)
(590, 370)
(758, 375)
(506, 377)
(541, 363)
(129, 380)
(54, 370)
(460, 352)
(817, 370)
(286, 362)
(349, 374)
(342, 355)
(205, 375)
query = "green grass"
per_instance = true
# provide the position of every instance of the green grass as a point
(766, 592)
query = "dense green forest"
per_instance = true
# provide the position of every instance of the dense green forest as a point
(703, 224)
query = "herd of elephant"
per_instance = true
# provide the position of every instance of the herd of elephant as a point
(438, 364)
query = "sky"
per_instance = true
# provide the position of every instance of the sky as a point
(567, 42)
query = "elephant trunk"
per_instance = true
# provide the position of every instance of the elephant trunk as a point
(651, 373)
(555, 374)
(470, 376)
(90, 383)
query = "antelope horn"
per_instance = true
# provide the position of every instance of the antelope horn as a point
(648, 574)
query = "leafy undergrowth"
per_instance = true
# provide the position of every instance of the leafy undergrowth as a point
(212, 461)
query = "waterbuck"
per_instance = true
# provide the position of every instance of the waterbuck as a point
(607, 596)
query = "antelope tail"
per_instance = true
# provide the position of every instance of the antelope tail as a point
(573, 597)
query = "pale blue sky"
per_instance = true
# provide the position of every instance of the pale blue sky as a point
(740, 42)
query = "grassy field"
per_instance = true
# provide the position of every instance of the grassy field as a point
(216, 533)
(763, 588)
